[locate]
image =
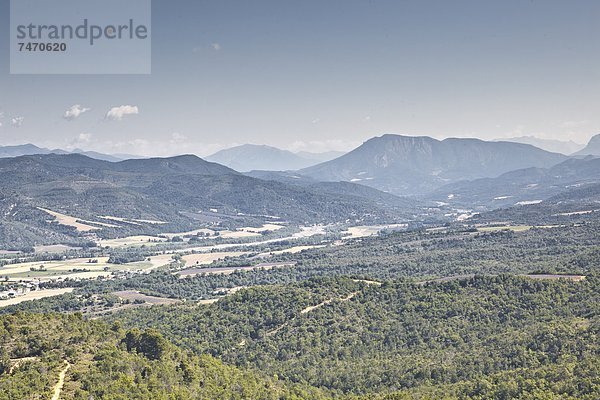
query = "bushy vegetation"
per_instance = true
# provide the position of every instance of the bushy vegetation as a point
(479, 336)
(107, 362)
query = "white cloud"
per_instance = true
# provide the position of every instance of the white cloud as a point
(74, 112)
(117, 113)
(81, 140)
(214, 46)
(17, 121)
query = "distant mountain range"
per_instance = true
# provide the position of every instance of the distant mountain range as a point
(388, 178)
(406, 165)
(30, 149)
(250, 157)
(523, 186)
(566, 147)
(179, 191)
(592, 148)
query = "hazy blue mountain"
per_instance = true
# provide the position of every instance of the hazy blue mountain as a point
(21, 150)
(251, 157)
(555, 146)
(592, 148)
(405, 165)
(524, 186)
(96, 155)
(126, 156)
(31, 149)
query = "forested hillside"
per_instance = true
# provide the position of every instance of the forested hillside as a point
(478, 338)
(364, 337)
(103, 361)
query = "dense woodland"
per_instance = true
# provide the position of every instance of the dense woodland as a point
(378, 338)
(107, 362)
(478, 338)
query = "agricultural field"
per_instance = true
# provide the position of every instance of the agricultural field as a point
(34, 295)
(354, 232)
(135, 296)
(208, 258)
(230, 270)
(47, 270)
(292, 250)
(132, 221)
(77, 223)
(77, 268)
(131, 241)
(515, 228)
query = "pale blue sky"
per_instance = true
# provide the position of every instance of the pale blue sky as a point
(320, 75)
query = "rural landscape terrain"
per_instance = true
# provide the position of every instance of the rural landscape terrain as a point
(407, 268)
(299, 200)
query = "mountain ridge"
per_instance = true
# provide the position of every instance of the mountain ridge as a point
(31, 149)
(592, 148)
(408, 165)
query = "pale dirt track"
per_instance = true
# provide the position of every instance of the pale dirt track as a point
(61, 381)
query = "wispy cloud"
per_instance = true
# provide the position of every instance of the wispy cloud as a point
(83, 139)
(74, 112)
(17, 122)
(117, 113)
(214, 46)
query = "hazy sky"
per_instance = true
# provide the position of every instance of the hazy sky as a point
(325, 75)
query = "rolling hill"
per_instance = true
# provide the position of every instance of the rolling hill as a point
(168, 190)
(37, 350)
(405, 165)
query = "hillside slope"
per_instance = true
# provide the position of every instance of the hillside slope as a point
(166, 190)
(35, 350)
(592, 148)
(361, 337)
